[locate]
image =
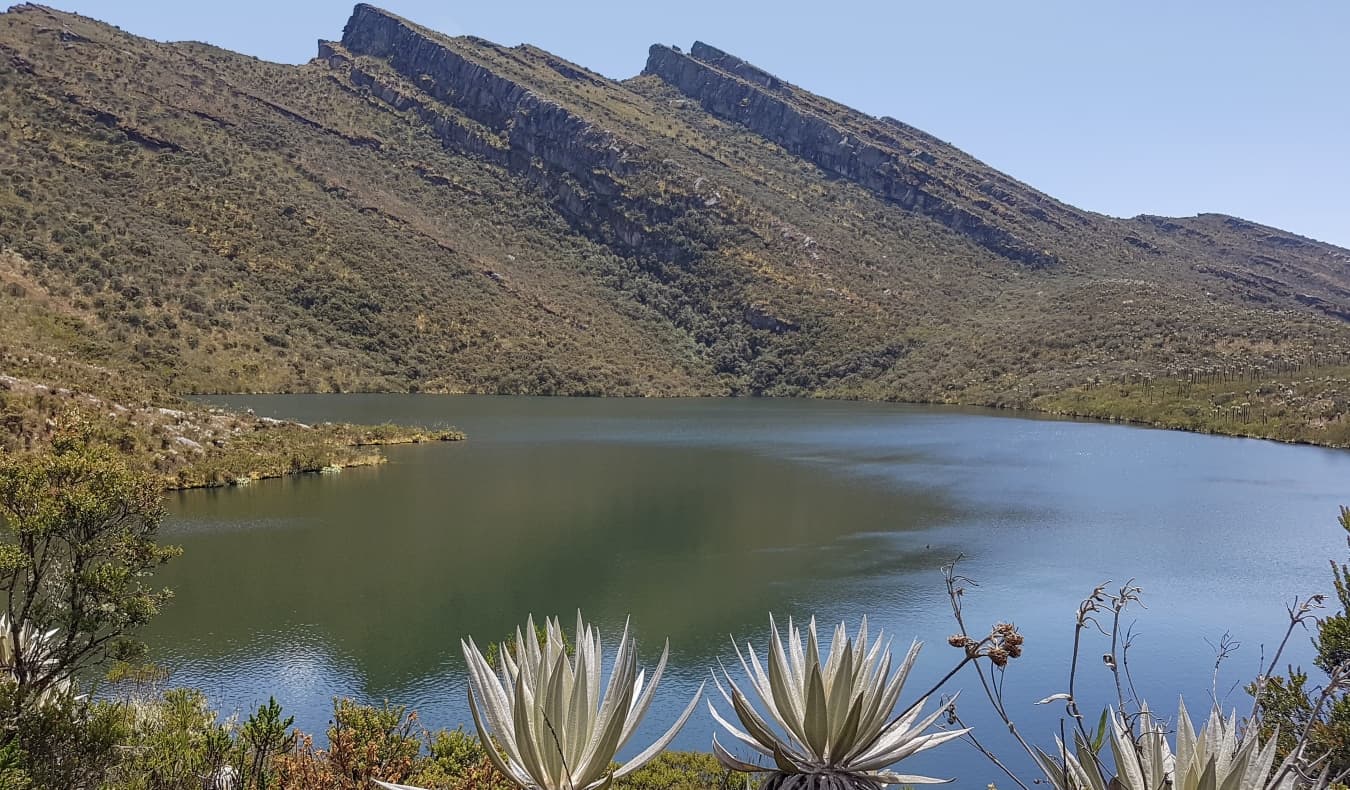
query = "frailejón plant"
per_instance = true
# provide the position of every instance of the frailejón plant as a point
(1214, 758)
(24, 649)
(829, 724)
(546, 713)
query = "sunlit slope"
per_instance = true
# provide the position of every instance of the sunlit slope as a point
(415, 211)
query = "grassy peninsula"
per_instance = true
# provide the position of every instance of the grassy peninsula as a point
(189, 445)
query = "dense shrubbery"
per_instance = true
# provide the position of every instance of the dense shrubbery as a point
(173, 741)
(78, 527)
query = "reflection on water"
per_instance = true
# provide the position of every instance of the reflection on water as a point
(698, 517)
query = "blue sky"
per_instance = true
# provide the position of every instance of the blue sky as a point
(1122, 107)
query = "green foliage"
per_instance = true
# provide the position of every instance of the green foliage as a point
(78, 526)
(264, 736)
(1333, 632)
(1333, 641)
(1297, 402)
(71, 743)
(1286, 704)
(192, 446)
(457, 760)
(683, 771)
(172, 742)
(13, 774)
(366, 742)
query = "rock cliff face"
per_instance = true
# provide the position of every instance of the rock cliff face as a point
(890, 159)
(476, 110)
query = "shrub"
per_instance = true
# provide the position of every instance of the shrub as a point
(172, 742)
(1315, 718)
(457, 761)
(77, 548)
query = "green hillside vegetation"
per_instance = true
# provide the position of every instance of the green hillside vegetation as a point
(1304, 403)
(447, 215)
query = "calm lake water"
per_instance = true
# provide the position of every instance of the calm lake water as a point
(700, 517)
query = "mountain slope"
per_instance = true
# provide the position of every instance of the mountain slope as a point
(415, 211)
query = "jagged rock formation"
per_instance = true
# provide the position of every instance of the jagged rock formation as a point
(893, 160)
(478, 112)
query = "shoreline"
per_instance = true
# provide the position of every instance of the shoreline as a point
(1163, 426)
(185, 445)
(375, 458)
(1050, 409)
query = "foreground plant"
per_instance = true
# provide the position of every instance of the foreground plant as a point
(25, 649)
(1224, 755)
(1215, 758)
(77, 552)
(829, 725)
(545, 712)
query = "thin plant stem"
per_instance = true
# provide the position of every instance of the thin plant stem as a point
(970, 737)
(1298, 614)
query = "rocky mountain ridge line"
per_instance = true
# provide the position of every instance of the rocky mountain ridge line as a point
(734, 90)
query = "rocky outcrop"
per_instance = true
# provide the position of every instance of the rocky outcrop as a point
(867, 151)
(480, 112)
(1330, 308)
(478, 108)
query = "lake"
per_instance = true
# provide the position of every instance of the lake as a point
(699, 517)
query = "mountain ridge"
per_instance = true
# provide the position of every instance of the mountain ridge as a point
(410, 210)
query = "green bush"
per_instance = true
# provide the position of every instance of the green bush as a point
(682, 771)
(366, 742)
(171, 743)
(456, 760)
(69, 743)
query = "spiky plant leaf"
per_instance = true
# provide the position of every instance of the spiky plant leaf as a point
(557, 726)
(23, 644)
(827, 720)
(1213, 758)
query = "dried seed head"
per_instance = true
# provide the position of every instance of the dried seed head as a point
(958, 640)
(999, 656)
